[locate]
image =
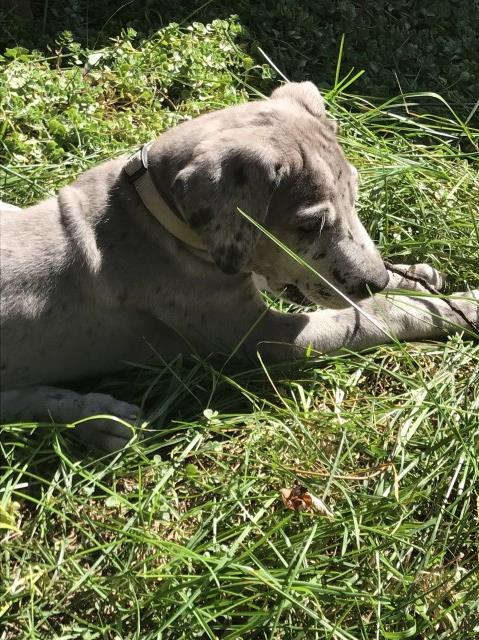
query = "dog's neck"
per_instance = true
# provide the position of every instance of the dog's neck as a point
(136, 169)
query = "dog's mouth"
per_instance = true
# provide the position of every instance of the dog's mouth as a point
(294, 295)
(320, 296)
(289, 292)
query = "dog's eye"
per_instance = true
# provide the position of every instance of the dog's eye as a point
(312, 223)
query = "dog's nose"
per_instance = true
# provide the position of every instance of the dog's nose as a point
(375, 284)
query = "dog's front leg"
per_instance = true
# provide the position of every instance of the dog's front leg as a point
(379, 320)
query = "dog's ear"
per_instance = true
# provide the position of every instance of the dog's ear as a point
(304, 93)
(214, 185)
(307, 96)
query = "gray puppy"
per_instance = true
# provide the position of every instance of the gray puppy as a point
(152, 255)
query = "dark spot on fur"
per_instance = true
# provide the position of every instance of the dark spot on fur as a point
(362, 246)
(319, 255)
(200, 217)
(240, 177)
(339, 276)
(322, 291)
(266, 118)
(233, 254)
(228, 258)
(350, 236)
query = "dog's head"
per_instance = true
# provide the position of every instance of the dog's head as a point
(278, 161)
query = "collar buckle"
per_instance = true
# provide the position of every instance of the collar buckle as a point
(141, 156)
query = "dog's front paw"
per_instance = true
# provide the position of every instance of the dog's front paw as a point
(415, 277)
(112, 424)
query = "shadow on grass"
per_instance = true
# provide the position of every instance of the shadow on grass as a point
(400, 50)
(173, 398)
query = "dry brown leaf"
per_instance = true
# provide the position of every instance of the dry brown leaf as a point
(298, 498)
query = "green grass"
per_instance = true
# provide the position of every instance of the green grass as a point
(184, 535)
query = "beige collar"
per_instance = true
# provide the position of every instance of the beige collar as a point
(136, 168)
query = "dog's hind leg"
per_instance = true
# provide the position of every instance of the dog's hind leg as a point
(108, 432)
